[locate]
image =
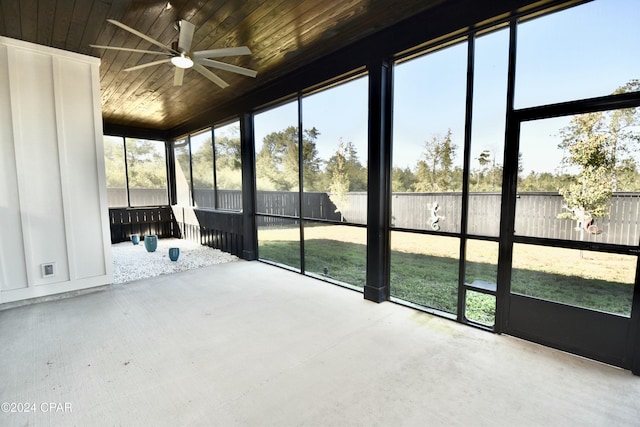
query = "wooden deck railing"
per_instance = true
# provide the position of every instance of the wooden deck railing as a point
(144, 221)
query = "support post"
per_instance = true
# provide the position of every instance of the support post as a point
(379, 182)
(633, 344)
(509, 193)
(247, 152)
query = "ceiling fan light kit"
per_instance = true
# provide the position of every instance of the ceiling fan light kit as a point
(183, 58)
(182, 61)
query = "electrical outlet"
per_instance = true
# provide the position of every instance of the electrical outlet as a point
(48, 269)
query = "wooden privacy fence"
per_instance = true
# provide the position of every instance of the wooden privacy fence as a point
(316, 205)
(117, 197)
(536, 213)
(227, 199)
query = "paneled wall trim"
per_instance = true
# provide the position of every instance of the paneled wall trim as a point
(53, 201)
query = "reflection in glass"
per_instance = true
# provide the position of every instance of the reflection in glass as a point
(146, 163)
(428, 150)
(578, 53)
(115, 171)
(279, 241)
(228, 166)
(424, 270)
(202, 166)
(487, 133)
(593, 280)
(183, 171)
(336, 252)
(335, 164)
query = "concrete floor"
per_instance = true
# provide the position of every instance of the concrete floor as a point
(249, 344)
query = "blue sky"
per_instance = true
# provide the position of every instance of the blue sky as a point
(582, 52)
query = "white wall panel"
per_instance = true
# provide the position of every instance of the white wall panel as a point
(53, 201)
(12, 272)
(38, 165)
(80, 172)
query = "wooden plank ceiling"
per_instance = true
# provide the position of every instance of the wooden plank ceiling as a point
(282, 34)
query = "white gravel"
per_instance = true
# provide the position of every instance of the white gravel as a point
(133, 262)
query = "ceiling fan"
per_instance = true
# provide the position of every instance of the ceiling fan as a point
(181, 56)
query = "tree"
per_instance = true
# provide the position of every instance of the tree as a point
(181, 153)
(628, 176)
(339, 186)
(403, 180)
(202, 165)
(623, 129)
(483, 160)
(227, 148)
(114, 163)
(356, 173)
(543, 181)
(277, 161)
(435, 172)
(228, 162)
(598, 145)
(146, 164)
(589, 148)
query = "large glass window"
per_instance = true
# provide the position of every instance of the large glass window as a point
(277, 183)
(182, 155)
(331, 152)
(428, 140)
(487, 135)
(335, 182)
(116, 171)
(202, 167)
(228, 166)
(579, 182)
(147, 170)
(428, 145)
(279, 241)
(582, 52)
(276, 145)
(335, 164)
(209, 168)
(424, 270)
(579, 178)
(336, 252)
(593, 280)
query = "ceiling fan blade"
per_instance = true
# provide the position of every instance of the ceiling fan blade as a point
(148, 64)
(126, 49)
(217, 53)
(141, 35)
(186, 35)
(177, 77)
(227, 67)
(208, 74)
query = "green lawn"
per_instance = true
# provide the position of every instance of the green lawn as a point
(432, 280)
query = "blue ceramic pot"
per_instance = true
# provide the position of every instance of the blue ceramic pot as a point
(135, 239)
(151, 242)
(174, 253)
